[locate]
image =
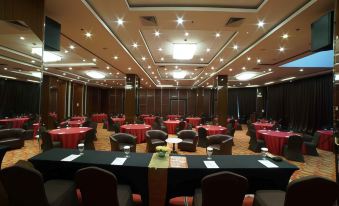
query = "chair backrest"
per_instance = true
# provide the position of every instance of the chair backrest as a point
(24, 186)
(181, 125)
(97, 186)
(316, 138)
(311, 191)
(87, 123)
(295, 143)
(187, 134)
(116, 127)
(156, 126)
(93, 125)
(225, 187)
(47, 142)
(217, 138)
(202, 133)
(89, 140)
(156, 134)
(123, 138)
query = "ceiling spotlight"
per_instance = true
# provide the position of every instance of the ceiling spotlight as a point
(165, 69)
(70, 68)
(269, 69)
(261, 24)
(284, 36)
(281, 49)
(33, 61)
(221, 59)
(258, 61)
(22, 38)
(107, 67)
(135, 45)
(162, 59)
(160, 49)
(152, 72)
(243, 68)
(88, 34)
(5, 68)
(84, 60)
(212, 68)
(118, 73)
(157, 33)
(202, 59)
(301, 70)
(208, 50)
(94, 59)
(120, 21)
(129, 68)
(71, 47)
(248, 58)
(230, 70)
(217, 35)
(66, 51)
(143, 58)
(180, 20)
(115, 57)
(149, 66)
(235, 47)
(186, 33)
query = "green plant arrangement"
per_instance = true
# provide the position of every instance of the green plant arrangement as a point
(162, 150)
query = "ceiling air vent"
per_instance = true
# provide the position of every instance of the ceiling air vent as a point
(148, 21)
(234, 21)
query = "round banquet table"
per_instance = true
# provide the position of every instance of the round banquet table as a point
(171, 125)
(138, 130)
(173, 116)
(275, 140)
(17, 122)
(144, 115)
(213, 129)
(195, 121)
(326, 140)
(78, 118)
(98, 117)
(73, 123)
(120, 121)
(149, 120)
(69, 137)
(262, 126)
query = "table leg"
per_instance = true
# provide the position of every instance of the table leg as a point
(173, 150)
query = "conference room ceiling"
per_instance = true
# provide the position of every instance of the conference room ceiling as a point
(138, 37)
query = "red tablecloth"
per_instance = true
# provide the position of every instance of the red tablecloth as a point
(149, 120)
(120, 121)
(98, 117)
(69, 137)
(75, 123)
(78, 118)
(173, 116)
(138, 130)
(326, 140)
(263, 126)
(144, 115)
(35, 129)
(171, 125)
(195, 121)
(274, 140)
(213, 129)
(17, 122)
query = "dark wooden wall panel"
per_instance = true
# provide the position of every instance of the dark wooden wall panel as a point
(78, 92)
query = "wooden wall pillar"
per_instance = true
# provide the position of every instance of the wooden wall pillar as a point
(200, 101)
(261, 102)
(131, 97)
(221, 83)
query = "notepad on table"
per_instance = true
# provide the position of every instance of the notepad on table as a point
(268, 163)
(70, 157)
(119, 161)
(211, 164)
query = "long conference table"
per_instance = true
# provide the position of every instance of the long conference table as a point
(177, 181)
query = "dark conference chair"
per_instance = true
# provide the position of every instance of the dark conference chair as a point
(310, 191)
(202, 134)
(155, 138)
(47, 142)
(3, 150)
(89, 140)
(311, 143)
(25, 187)
(181, 126)
(222, 187)
(100, 187)
(221, 144)
(119, 140)
(189, 140)
(293, 149)
(110, 126)
(255, 144)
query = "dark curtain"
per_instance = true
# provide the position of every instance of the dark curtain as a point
(232, 105)
(247, 99)
(306, 105)
(18, 97)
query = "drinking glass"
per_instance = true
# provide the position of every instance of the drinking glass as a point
(127, 150)
(209, 151)
(264, 151)
(81, 148)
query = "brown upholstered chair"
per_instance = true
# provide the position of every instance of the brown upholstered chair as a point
(189, 140)
(13, 138)
(119, 140)
(155, 138)
(222, 187)
(100, 187)
(310, 191)
(25, 187)
(221, 144)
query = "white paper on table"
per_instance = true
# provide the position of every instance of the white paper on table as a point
(119, 161)
(211, 164)
(268, 164)
(71, 157)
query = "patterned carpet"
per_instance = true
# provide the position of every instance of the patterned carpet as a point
(321, 166)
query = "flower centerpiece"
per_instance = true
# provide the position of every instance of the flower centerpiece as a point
(161, 150)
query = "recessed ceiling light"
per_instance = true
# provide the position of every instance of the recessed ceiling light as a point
(94, 59)
(217, 35)
(46, 68)
(135, 45)
(129, 68)
(84, 60)
(235, 47)
(95, 74)
(152, 72)
(5, 68)
(258, 61)
(180, 20)
(160, 49)
(179, 74)
(64, 74)
(212, 68)
(208, 50)
(165, 69)
(269, 69)
(260, 23)
(186, 33)
(157, 33)
(120, 21)
(33, 61)
(149, 66)
(143, 58)
(243, 68)
(183, 51)
(162, 59)
(22, 38)
(230, 70)
(284, 36)
(118, 73)
(88, 34)
(110, 74)
(72, 47)
(281, 49)
(221, 59)
(248, 58)
(107, 67)
(206, 73)
(244, 76)
(301, 70)
(66, 51)
(70, 68)
(201, 59)
(115, 57)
